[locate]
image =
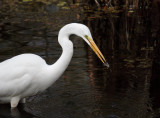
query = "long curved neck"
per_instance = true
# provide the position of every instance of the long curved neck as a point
(57, 69)
(67, 52)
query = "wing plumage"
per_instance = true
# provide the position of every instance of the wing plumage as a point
(17, 73)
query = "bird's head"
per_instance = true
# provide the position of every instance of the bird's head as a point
(84, 32)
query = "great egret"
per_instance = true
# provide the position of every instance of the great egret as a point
(26, 74)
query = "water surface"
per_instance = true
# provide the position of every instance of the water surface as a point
(87, 89)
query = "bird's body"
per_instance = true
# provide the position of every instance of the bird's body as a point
(26, 74)
(21, 76)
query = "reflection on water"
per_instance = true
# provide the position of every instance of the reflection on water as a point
(7, 112)
(129, 41)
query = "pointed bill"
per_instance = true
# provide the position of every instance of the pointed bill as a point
(96, 49)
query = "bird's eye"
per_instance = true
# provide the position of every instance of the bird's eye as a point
(86, 36)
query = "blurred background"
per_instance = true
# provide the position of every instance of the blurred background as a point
(126, 31)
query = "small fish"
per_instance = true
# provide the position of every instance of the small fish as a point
(108, 67)
(106, 64)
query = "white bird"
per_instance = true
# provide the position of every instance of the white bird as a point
(27, 74)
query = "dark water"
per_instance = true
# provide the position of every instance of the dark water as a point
(129, 39)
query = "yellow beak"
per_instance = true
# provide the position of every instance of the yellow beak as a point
(96, 49)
